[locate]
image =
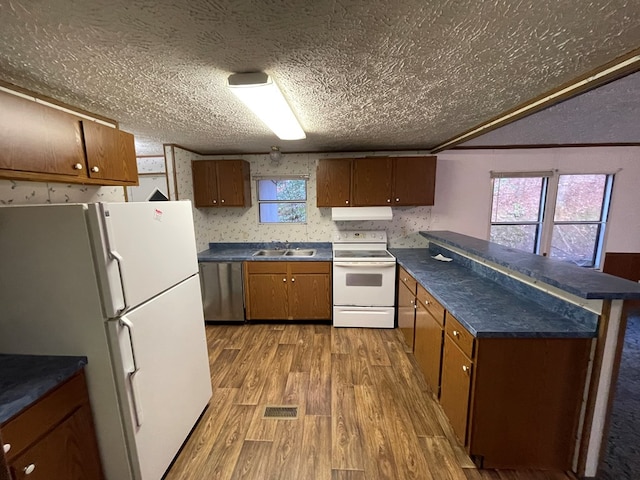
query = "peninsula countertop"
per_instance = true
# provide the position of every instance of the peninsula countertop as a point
(240, 252)
(582, 282)
(24, 379)
(485, 308)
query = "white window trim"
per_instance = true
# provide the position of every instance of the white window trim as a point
(548, 214)
(259, 178)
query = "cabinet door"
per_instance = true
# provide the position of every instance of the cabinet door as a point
(414, 180)
(127, 156)
(205, 184)
(232, 176)
(310, 296)
(68, 452)
(37, 138)
(372, 179)
(104, 148)
(406, 313)
(428, 346)
(456, 387)
(333, 182)
(267, 296)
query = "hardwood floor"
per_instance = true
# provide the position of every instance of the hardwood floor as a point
(364, 411)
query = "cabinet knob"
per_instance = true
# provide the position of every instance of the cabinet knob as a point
(28, 470)
(293, 279)
(222, 201)
(215, 201)
(77, 166)
(284, 279)
(95, 169)
(456, 333)
(6, 447)
(346, 202)
(397, 199)
(466, 369)
(411, 302)
(404, 279)
(388, 200)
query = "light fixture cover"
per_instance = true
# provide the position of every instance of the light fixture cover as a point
(260, 93)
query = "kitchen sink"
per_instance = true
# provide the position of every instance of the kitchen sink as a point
(269, 253)
(285, 253)
(300, 253)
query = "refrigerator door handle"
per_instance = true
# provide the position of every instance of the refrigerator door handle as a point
(113, 253)
(118, 258)
(135, 395)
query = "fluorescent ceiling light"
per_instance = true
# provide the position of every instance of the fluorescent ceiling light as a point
(260, 93)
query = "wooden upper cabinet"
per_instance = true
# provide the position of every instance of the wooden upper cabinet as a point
(221, 183)
(414, 181)
(41, 143)
(372, 181)
(333, 182)
(110, 153)
(37, 138)
(205, 183)
(234, 183)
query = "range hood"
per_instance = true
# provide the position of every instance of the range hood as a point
(341, 214)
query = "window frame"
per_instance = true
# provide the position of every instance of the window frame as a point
(278, 178)
(544, 195)
(548, 202)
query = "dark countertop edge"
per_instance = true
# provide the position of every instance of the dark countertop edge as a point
(241, 252)
(491, 333)
(627, 290)
(36, 386)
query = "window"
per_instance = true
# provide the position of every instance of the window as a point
(282, 200)
(563, 216)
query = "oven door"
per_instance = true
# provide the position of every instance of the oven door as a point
(364, 283)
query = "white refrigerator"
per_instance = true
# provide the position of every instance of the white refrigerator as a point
(117, 283)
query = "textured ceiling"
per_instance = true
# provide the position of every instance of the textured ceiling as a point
(360, 74)
(608, 114)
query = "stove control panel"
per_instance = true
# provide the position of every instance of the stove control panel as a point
(360, 236)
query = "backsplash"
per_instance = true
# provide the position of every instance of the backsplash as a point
(241, 224)
(14, 192)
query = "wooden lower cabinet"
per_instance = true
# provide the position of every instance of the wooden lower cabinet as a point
(428, 346)
(515, 402)
(406, 313)
(456, 387)
(55, 438)
(288, 290)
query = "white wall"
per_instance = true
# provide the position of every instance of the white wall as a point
(463, 186)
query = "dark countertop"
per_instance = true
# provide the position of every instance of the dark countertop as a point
(26, 378)
(580, 281)
(240, 252)
(485, 308)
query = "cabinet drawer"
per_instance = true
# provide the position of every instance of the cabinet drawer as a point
(41, 417)
(432, 304)
(407, 280)
(310, 267)
(460, 335)
(266, 267)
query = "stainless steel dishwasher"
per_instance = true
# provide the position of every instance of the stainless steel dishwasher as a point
(222, 297)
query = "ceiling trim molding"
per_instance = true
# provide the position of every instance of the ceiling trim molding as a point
(23, 92)
(546, 145)
(613, 70)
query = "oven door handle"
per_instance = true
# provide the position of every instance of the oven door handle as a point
(366, 264)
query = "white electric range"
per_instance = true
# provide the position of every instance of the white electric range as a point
(364, 277)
